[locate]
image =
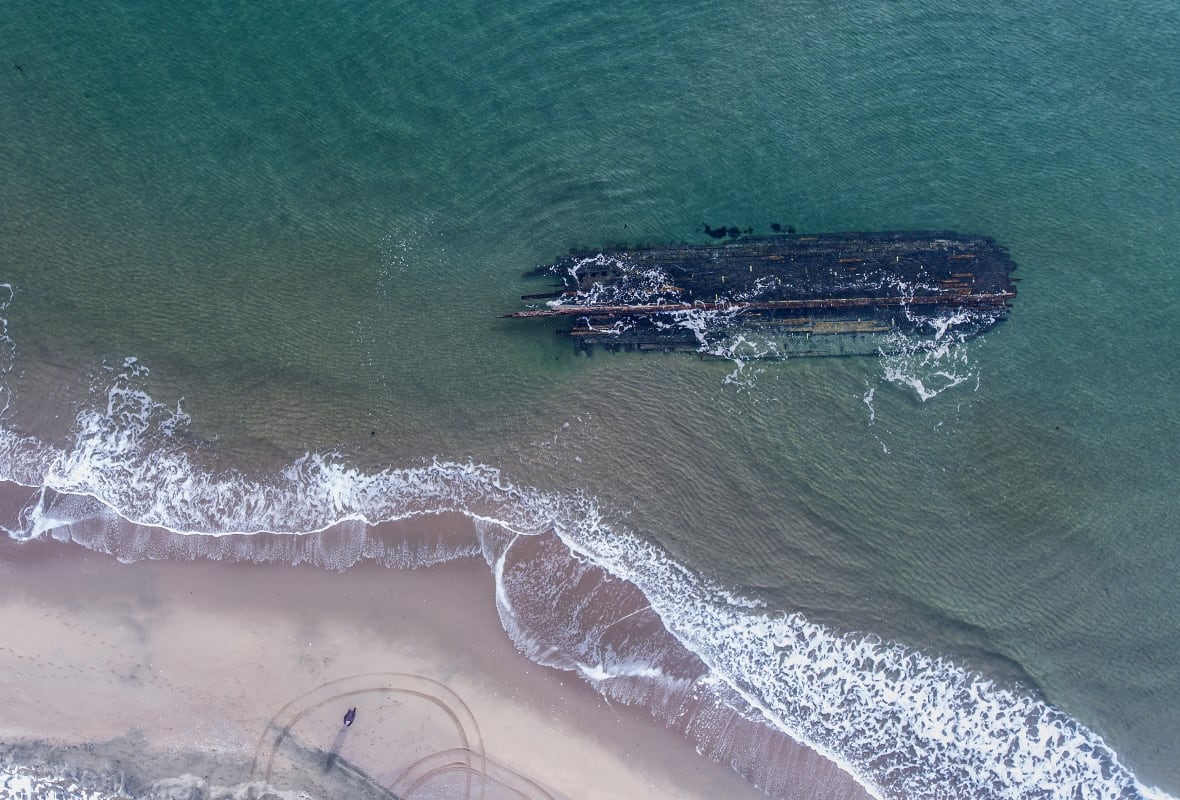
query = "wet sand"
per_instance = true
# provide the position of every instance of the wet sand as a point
(246, 670)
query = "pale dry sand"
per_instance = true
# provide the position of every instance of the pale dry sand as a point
(201, 656)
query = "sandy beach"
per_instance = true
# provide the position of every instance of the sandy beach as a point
(243, 672)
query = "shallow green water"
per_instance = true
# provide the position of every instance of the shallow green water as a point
(304, 220)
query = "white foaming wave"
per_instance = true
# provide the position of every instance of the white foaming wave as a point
(7, 347)
(18, 782)
(126, 456)
(21, 782)
(601, 672)
(932, 364)
(630, 285)
(906, 724)
(718, 335)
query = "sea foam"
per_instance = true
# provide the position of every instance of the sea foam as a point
(620, 613)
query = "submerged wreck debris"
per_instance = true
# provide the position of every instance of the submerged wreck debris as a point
(822, 294)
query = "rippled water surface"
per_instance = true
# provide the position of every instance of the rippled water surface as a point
(256, 252)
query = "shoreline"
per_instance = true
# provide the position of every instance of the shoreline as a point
(200, 656)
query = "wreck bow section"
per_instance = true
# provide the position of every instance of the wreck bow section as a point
(841, 293)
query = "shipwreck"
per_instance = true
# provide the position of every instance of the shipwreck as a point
(791, 294)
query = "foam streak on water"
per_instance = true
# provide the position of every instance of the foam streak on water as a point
(932, 364)
(908, 724)
(19, 782)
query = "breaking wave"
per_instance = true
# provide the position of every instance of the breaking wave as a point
(578, 593)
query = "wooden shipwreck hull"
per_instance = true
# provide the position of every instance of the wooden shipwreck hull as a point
(797, 294)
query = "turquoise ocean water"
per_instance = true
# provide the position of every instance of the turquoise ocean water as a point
(302, 220)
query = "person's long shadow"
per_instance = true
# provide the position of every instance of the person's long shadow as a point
(334, 750)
